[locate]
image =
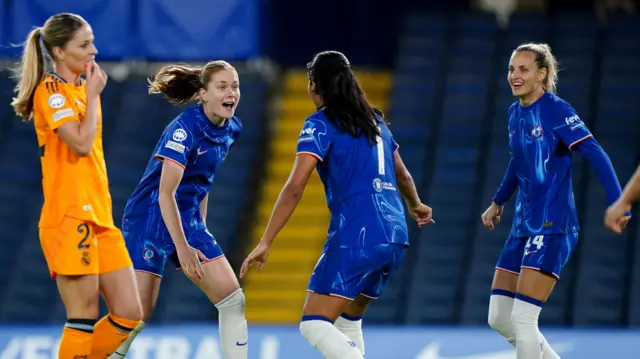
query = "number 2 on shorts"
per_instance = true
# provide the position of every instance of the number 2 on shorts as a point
(83, 228)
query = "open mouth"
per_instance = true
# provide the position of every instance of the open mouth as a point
(517, 85)
(229, 105)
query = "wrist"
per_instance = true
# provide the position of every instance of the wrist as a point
(625, 201)
(413, 202)
(264, 241)
(181, 245)
(92, 96)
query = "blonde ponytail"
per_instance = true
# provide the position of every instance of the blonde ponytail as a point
(29, 73)
(549, 83)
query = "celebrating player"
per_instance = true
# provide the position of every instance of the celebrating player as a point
(165, 218)
(358, 162)
(84, 250)
(620, 209)
(543, 130)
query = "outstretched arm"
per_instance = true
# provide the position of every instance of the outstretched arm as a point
(599, 160)
(631, 193)
(405, 182)
(290, 196)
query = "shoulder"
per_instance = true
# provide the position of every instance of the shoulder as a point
(559, 111)
(319, 121)
(180, 128)
(558, 105)
(235, 124)
(51, 91)
(512, 109)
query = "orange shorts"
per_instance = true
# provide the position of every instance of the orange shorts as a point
(79, 247)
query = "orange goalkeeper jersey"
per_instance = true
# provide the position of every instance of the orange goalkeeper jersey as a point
(73, 186)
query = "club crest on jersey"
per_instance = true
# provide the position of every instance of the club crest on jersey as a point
(179, 135)
(56, 100)
(148, 253)
(377, 185)
(537, 132)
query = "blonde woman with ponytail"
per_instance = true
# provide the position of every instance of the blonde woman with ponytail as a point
(83, 248)
(543, 131)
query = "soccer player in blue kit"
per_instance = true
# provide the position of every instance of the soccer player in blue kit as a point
(543, 132)
(351, 147)
(165, 217)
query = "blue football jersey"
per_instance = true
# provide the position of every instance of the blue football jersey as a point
(359, 179)
(195, 143)
(541, 137)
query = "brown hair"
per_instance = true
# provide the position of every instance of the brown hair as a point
(544, 59)
(37, 56)
(180, 84)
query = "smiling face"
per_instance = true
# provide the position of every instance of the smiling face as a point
(525, 77)
(221, 95)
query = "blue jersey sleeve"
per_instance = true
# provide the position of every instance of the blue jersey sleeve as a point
(315, 138)
(508, 185)
(599, 160)
(568, 125)
(175, 143)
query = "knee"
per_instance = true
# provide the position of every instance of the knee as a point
(234, 300)
(524, 315)
(349, 325)
(131, 310)
(147, 310)
(499, 319)
(314, 329)
(133, 313)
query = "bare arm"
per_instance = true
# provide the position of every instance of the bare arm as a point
(405, 182)
(631, 193)
(79, 136)
(203, 208)
(289, 197)
(169, 181)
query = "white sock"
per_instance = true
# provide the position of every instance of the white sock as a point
(122, 350)
(234, 335)
(500, 308)
(353, 330)
(328, 339)
(524, 316)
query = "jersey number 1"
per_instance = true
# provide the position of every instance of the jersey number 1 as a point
(380, 146)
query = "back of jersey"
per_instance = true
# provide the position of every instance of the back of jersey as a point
(360, 183)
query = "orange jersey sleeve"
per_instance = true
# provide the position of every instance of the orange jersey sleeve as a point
(53, 105)
(73, 186)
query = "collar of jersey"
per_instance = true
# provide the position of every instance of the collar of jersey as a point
(536, 103)
(53, 74)
(206, 127)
